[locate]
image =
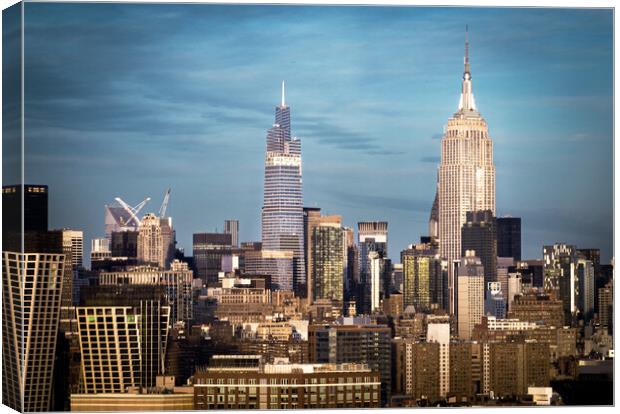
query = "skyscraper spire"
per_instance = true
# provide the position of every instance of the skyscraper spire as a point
(467, 50)
(467, 104)
(283, 100)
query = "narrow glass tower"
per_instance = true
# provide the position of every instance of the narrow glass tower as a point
(282, 215)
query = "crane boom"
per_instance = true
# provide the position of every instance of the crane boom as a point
(133, 211)
(164, 204)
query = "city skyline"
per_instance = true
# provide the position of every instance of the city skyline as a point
(386, 134)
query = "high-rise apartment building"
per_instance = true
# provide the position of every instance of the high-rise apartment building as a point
(417, 368)
(586, 278)
(327, 262)
(470, 294)
(356, 343)
(538, 308)
(425, 278)
(123, 333)
(156, 241)
(313, 219)
(245, 382)
(509, 237)
(31, 298)
(208, 250)
(232, 227)
(124, 244)
(466, 171)
(479, 234)
(282, 213)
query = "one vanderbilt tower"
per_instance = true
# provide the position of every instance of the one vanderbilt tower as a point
(282, 214)
(466, 172)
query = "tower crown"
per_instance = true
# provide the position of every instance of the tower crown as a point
(467, 103)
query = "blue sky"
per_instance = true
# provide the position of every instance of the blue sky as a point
(126, 100)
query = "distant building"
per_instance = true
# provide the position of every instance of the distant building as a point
(244, 382)
(124, 244)
(282, 218)
(417, 369)
(495, 303)
(515, 366)
(208, 250)
(466, 171)
(538, 308)
(313, 219)
(586, 278)
(606, 304)
(480, 235)
(34, 209)
(156, 241)
(176, 282)
(470, 294)
(425, 278)
(353, 343)
(372, 237)
(276, 263)
(74, 241)
(560, 275)
(509, 237)
(327, 260)
(232, 227)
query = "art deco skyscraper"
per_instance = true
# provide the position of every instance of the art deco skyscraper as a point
(282, 215)
(466, 172)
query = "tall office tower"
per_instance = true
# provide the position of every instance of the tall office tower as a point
(479, 234)
(372, 236)
(425, 278)
(466, 171)
(276, 263)
(34, 211)
(123, 332)
(585, 276)
(124, 244)
(376, 272)
(232, 227)
(208, 250)
(155, 241)
(606, 304)
(327, 262)
(282, 214)
(594, 255)
(560, 275)
(73, 240)
(358, 343)
(176, 284)
(439, 332)
(99, 250)
(515, 288)
(470, 294)
(509, 237)
(31, 289)
(313, 219)
(348, 241)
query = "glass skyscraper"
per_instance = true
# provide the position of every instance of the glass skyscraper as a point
(282, 215)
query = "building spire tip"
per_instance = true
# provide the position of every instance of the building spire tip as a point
(283, 103)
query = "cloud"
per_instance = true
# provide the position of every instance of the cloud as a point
(432, 159)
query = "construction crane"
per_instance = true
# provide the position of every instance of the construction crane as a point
(164, 204)
(133, 211)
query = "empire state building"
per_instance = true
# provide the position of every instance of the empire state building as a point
(466, 171)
